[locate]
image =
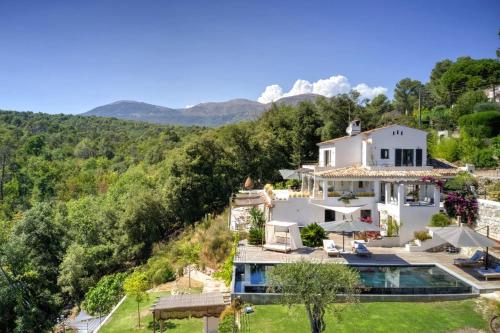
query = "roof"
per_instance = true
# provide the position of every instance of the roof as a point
(396, 172)
(364, 133)
(186, 305)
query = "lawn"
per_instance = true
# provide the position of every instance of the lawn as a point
(125, 319)
(374, 317)
(365, 317)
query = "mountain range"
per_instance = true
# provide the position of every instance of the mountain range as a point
(203, 114)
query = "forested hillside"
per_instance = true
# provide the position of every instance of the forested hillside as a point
(83, 197)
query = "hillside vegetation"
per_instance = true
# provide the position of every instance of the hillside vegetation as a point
(85, 197)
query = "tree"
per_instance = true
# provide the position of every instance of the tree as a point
(316, 285)
(135, 285)
(466, 102)
(190, 255)
(406, 95)
(105, 294)
(32, 257)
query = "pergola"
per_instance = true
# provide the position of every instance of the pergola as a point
(192, 305)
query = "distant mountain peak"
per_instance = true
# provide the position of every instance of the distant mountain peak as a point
(203, 114)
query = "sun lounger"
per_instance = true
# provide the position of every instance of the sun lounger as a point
(329, 247)
(362, 251)
(474, 260)
(492, 273)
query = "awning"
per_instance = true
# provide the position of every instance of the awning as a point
(281, 224)
(462, 236)
(348, 226)
(341, 209)
(293, 174)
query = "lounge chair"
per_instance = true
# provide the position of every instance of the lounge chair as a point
(472, 261)
(362, 251)
(329, 247)
(492, 273)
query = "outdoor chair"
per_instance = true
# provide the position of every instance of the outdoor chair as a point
(492, 273)
(362, 251)
(472, 261)
(329, 247)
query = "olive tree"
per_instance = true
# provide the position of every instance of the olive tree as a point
(317, 286)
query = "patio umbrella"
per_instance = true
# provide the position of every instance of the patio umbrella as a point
(466, 237)
(348, 226)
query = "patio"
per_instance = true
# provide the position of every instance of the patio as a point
(381, 256)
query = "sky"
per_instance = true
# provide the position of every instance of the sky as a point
(72, 56)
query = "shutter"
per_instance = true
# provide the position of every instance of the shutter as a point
(398, 157)
(419, 157)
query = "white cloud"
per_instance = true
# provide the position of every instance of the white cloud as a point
(369, 92)
(271, 94)
(329, 87)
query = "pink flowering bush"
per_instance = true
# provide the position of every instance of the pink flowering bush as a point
(463, 205)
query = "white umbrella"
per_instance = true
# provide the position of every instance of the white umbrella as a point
(465, 237)
(348, 226)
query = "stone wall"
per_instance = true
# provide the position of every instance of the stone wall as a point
(489, 215)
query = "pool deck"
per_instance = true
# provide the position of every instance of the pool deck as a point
(381, 256)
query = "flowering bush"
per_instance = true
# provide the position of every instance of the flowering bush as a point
(438, 182)
(463, 205)
(367, 219)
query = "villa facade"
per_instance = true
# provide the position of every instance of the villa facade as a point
(381, 176)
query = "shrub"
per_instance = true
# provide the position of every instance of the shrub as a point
(462, 182)
(257, 217)
(439, 220)
(226, 271)
(105, 294)
(483, 158)
(392, 227)
(448, 149)
(422, 235)
(226, 323)
(163, 274)
(481, 125)
(313, 235)
(255, 236)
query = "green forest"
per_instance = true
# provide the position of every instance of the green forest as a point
(82, 198)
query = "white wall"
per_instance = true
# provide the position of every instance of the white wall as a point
(385, 139)
(297, 210)
(348, 152)
(411, 218)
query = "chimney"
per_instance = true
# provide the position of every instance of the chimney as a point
(354, 127)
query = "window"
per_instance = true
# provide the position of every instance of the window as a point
(329, 215)
(404, 157)
(408, 157)
(360, 184)
(326, 157)
(418, 157)
(384, 154)
(398, 157)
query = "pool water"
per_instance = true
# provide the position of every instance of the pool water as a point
(397, 280)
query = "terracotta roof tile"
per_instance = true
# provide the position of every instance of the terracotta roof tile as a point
(399, 172)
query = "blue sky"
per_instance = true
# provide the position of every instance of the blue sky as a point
(71, 56)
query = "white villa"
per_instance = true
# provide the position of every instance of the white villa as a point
(382, 176)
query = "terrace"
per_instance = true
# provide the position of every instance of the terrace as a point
(381, 256)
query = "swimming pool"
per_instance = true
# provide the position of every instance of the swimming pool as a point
(375, 279)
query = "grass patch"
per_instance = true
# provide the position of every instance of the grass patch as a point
(374, 317)
(381, 317)
(125, 319)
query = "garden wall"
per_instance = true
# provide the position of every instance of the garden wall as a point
(489, 215)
